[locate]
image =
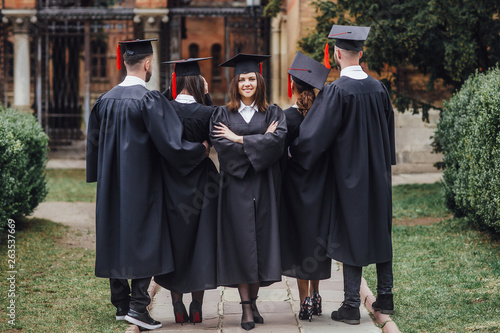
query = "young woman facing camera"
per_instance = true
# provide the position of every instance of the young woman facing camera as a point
(248, 135)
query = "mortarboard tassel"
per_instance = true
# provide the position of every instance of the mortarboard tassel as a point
(289, 87)
(260, 67)
(118, 57)
(327, 56)
(174, 84)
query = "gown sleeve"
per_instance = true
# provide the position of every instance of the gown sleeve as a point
(263, 150)
(232, 157)
(165, 129)
(93, 132)
(319, 128)
(390, 123)
(208, 100)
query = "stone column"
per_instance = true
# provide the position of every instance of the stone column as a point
(276, 77)
(152, 19)
(22, 64)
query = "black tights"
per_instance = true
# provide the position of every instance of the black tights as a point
(248, 291)
(196, 295)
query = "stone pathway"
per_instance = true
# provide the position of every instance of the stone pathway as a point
(278, 304)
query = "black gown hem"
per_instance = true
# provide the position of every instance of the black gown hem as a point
(298, 276)
(264, 283)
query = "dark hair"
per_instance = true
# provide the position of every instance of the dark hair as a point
(132, 60)
(194, 85)
(306, 97)
(235, 97)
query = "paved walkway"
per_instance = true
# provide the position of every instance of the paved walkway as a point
(278, 303)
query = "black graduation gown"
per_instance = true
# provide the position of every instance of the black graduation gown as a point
(130, 129)
(304, 225)
(353, 121)
(192, 210)
(248, 249)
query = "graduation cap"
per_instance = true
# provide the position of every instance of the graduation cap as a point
(347, 37)
(184, 67)
(246, 63)
(307, 70)
(133, 47)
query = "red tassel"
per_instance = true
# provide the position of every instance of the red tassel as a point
(289, 87)
(327, 56)
(174, 84)
(260, 67)
(118, 57)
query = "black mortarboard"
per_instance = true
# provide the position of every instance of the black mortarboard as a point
(133, 47)
(246, 63)
(307, 70)
(186, 67)
(349, 37)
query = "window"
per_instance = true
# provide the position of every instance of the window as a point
(194, 50)
(216, 60)
(98, 59)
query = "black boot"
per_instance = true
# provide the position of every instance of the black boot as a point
(384, 304)
(347, 314)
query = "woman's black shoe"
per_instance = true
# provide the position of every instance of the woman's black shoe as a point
(306, 309)
(195, 312)
(316, 302)
(257, 318)
(180, 313)
(247, 326)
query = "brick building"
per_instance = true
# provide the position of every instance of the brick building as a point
(58, 56)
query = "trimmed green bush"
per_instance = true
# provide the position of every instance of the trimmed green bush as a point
(469, 133)
(23, 154)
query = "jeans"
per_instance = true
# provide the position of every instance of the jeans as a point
(352, 282)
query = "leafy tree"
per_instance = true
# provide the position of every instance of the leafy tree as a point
(447, 39)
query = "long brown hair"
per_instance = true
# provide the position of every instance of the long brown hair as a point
(306, 97)
(235, 97)
(194, 85)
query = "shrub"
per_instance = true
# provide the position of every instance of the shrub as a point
(469, 133)
(23, 154)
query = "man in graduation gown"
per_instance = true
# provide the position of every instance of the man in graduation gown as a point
(130, 130)
(352, 121)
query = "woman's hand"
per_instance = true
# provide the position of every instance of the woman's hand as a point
(272, 127)
(223, 131)
(205, 85)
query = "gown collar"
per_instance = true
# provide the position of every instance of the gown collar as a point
(132, 81)
(354, 72)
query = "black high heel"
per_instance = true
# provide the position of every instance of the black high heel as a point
(316, 302)
(195, 312)
(180, 313)
(257, 318)
(247, 326)
(306, 309)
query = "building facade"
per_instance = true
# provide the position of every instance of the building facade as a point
(58, 56)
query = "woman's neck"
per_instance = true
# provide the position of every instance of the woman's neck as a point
(247, 101)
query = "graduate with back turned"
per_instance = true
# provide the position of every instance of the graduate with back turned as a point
(191, 199)
(352, 120)
(304, 225)
(131, 130)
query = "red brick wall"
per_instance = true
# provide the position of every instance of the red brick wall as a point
(19, 4)
(151, 3)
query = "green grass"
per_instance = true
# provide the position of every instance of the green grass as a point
(446, 275)
(56, 287)
(418, 200)
(69, 185)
